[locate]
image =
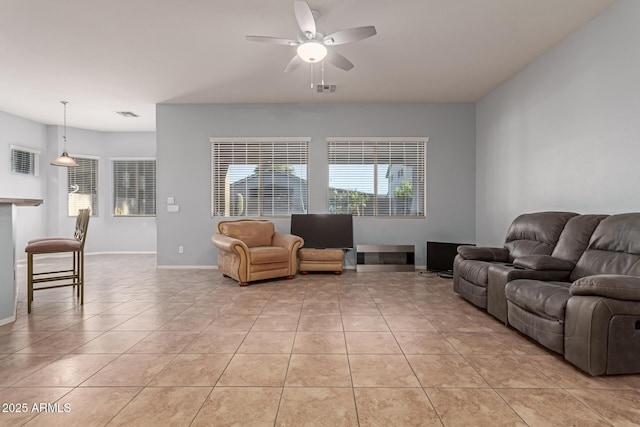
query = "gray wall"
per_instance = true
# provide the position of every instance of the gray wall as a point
(30, 222)
(564, 133)
(106, 233)
(184, 167)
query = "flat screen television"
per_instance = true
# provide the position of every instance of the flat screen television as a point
(323, 230)
(440, 255)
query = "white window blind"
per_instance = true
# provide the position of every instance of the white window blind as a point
(377, 176)
(259, 176)
(83, 185)
(134, 187)
(25, 160)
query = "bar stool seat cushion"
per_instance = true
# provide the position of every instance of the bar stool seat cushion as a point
(52, 246)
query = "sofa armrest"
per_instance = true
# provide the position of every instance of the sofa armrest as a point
(287, 241)
(229, 244)
(484, 253)
(608, 286)
(543, 262)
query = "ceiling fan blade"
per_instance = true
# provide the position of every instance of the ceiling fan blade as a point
(272, 40)
(350, 35)
(295, 62)
(305, 18)
(339, 61)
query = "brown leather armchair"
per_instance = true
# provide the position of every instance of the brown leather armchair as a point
(250, 250)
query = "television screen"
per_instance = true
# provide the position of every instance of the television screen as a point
(323, 230)
(440, 255)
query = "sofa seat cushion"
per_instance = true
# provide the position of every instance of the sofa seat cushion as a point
(544, 299)
(475, 271)
(268, 255)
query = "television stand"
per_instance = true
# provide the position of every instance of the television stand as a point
(374, 258)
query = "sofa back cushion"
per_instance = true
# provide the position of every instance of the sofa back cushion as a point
(614, 248)
(252, 232)
(535, 233)
(576, 236)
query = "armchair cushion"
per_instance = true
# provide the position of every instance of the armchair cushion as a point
(268, 255)
(608, 286)
(484, 253)
(543, 262)
(252, 233)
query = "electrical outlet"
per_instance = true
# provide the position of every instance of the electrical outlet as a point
(180, 249)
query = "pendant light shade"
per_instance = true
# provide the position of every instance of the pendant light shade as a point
(64, 159)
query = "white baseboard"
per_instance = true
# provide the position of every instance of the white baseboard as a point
(7, 320)
(184, 267)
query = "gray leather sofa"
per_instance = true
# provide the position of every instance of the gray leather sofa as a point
(529, 234)
(558, 266)
(592, 317)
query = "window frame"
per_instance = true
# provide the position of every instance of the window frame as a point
(94, 209)
(259, 205)
(35, 160)
(113, 160)
(422, 180)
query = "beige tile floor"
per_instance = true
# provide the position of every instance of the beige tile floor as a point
(189, 347)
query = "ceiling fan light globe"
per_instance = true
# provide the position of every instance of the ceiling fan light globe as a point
(312, 51)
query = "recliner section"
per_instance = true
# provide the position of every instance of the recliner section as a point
(571, 244)
(529, 234)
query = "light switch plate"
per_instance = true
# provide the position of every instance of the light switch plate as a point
(171, 200)
(173, 208)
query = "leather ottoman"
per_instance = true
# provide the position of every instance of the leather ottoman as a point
(320, 260)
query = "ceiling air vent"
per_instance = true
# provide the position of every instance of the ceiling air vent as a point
(127, 114)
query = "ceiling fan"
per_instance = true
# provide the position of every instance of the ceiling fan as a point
(312, 46)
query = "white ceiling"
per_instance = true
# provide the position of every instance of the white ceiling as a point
(106, 56)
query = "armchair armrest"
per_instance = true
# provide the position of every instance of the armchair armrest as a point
(608, 286)
(229, 244)
(543, 262)
(484, 253)
(286, 241)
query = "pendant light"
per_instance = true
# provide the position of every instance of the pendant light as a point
(64, 159)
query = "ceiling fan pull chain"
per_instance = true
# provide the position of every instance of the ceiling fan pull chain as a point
(322, 72)
(311, 67)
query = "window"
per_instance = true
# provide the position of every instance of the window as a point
(83, 185)
(377, 176)
(259, 176)
(25, 160)
(134, 187)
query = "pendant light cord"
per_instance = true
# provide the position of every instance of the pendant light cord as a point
(65, 125)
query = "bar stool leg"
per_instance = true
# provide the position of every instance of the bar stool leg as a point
(76, 257)
(29, 281)
(81, 255)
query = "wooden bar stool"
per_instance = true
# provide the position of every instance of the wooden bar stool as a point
(49, 245)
